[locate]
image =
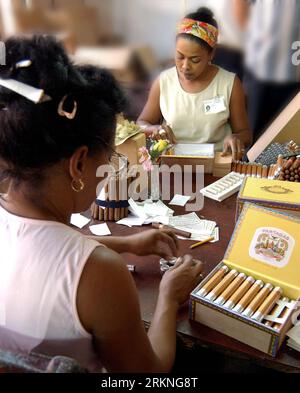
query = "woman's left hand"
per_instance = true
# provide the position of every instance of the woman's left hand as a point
(234, 145)
(154, 242)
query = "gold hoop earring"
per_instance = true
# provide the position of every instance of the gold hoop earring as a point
(75, 187)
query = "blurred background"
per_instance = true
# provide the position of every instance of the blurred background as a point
(135, 39)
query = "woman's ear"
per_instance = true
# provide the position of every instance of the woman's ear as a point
(78, 162)
(212, 55)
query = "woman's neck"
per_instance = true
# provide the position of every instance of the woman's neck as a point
(38, 206)
(202, 82)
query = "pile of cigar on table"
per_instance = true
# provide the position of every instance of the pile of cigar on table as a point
(254, 170)
(112, 204)
(284, 169)
(277, 162)
(289, 170)
(248, 297)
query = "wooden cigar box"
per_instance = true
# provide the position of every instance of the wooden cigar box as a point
(283, 129)
(222, 165)
(192, 155)
(275, 194)
(130, 148)
(265, 246)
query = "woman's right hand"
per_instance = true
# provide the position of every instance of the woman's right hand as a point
(178, 283)
(150, 129)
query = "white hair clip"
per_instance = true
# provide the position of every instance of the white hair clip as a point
(63, 113)
(24, 64)
(31, 93)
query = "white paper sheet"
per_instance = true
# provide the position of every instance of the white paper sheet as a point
(100, 230)
(192, 223)
(180, 200)
(132, 221)
(151, 211)
(79, 221)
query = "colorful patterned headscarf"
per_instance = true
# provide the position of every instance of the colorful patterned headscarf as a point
(202, 30)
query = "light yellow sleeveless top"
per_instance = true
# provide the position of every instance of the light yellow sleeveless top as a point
(185, 112)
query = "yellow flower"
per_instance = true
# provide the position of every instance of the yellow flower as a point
(161, 145)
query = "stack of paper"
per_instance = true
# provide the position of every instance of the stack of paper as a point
(200, 229)
(146, 213)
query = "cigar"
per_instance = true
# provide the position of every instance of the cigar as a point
(222, 285)
(249, 170)
(264, 172)
(283, 314)
(249, 296)
(117, 209)
(244, 168)
(106, 214)
(177, 232)
(231, 289)
(289, 163)
(296, 164)
(271, 171)
(231, 303)
(254, 170)
(280, 161)
(239, 167)
(214, 281)
(268, 304)
(259, 171)
(100, 214)
(258, 300)
(94, 212)
(112, 196)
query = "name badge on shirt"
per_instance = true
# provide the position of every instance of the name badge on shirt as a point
(216, 105)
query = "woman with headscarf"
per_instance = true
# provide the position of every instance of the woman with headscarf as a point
(201, 102)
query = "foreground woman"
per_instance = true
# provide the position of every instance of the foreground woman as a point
(62, 293)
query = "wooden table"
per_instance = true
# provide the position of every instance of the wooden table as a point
(148, 276)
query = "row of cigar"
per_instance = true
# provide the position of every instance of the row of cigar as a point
(244, 295)
(288, 170)
(112, 192)
(254, 170)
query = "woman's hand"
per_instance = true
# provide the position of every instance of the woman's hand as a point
(153, 242)
(151, 130)
(165, 132)
(180, 280)
(234, 145)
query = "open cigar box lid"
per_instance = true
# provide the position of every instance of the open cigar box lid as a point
(265, 245)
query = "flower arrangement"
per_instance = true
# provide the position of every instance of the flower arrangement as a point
(151, 156)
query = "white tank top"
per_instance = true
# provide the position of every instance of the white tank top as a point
(41, 263)
(185, 112)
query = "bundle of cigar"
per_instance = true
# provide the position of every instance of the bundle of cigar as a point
(288, 170)
(253, 169)
(244, 295)
(113, 204)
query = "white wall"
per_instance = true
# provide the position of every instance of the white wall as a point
(152, 21)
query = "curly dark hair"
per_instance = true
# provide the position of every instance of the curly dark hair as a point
(34, 137)
(203, 14)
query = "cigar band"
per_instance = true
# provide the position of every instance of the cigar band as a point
(112, 204)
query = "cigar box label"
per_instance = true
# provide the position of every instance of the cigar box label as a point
(277, 190)
(272, 246)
